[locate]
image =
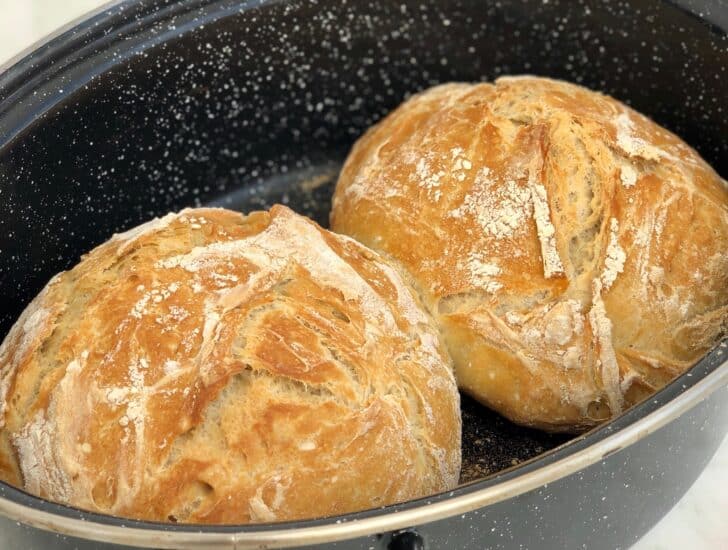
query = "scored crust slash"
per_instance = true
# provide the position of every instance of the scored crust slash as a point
(575, 258)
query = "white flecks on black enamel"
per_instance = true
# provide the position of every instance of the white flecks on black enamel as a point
(156, 107)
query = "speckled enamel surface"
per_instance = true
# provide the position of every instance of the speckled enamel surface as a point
(151, 108)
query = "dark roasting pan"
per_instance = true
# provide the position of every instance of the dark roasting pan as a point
(147, 106)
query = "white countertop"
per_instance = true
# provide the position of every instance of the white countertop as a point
(700, 519)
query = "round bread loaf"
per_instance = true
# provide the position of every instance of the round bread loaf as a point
(573, 252)
(215, 368)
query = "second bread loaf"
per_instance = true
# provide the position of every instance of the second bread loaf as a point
(573, 252)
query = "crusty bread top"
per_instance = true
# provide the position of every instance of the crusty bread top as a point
(211, 367)
(573, 251)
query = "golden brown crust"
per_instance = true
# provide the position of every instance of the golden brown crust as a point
(210, 367)
(572, 251)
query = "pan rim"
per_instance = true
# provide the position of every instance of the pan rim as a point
(79, 21)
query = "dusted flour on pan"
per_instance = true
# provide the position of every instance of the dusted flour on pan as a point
(573, 252)
(216, 368)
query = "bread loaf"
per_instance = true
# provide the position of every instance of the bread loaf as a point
(573, 252)
(214, 368)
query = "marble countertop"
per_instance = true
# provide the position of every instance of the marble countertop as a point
(699, 521)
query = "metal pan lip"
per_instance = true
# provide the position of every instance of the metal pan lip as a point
(639, 422)
(78, 22)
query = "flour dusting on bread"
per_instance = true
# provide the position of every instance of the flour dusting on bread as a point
(206, 364)
(571, 202)
(614, 257)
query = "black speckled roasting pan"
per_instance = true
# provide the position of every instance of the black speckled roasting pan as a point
(147, 106)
